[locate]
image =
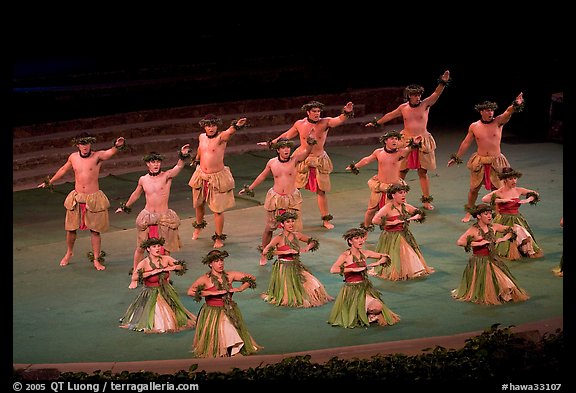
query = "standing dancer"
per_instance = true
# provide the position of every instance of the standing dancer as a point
(314, 172)
(291, 284)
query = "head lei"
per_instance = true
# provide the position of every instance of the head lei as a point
(286, 216)
(153, 156)
(214, 255)
(282, 142)
(83, 139)
(394, 188)
(209, 120)
(390, 134)
(486, 105)
(354, 232)
(508, 172)
(311, 105)
(411, 90)
(152, 241)
(479, 209)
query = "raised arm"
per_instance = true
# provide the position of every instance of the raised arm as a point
(301, 154)
(442, 83)
(183, 154)
(235, 126)
(516, 106)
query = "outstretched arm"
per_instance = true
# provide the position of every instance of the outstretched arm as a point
(363, 162)
(347, 112)
(118, 145)
(292, 132)
(235, 126)
(59, 173)
(386, 118)
(259, 179)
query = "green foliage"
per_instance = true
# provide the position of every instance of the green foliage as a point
(497, 355)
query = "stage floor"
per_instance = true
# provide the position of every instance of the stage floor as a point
(70, 315)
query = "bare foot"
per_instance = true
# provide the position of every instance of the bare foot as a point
(66, 259)
(217, 243)
(466, 218)
(428, 206)
(98, 265)
(263, 260)
(327, 225)
(196, 233)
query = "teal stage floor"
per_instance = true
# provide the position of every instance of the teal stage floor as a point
(68, 315)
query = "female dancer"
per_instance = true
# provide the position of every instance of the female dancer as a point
(291, 284)
(486, 278)
(221, 331)
(396, 238)
(507, 201)
(157, 309)
(358, 303)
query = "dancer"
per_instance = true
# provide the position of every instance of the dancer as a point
(156, 219)
(507, 201)
(284, 195)
(220, 331)
(486, 278)
(396, 238)
(291, 284)
(212, 182)
(158, 308)
(415, 134)
(314, 172)
(86, 205)
(389, 159)
(488, 160)
(559, 271)
(358, 303)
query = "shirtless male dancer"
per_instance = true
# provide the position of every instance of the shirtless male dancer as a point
(314, 172)
(283, 195)
(389, 158)
(156, 220)
(488, 160)
(212, 182)
(86, 205)
(415, 113)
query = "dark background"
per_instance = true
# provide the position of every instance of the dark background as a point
(105, 63)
